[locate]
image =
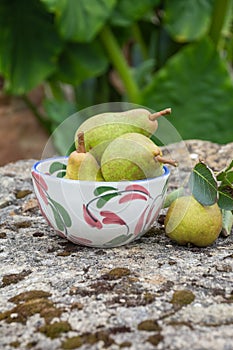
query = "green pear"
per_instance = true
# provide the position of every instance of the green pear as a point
(188, 221)
(132, 156)
(82, 165)
(103, 128)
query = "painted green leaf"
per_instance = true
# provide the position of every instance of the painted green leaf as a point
(119, 240)
(225, 200)
(127, 11)
(61, 174)
(203, 184)
(196, 84)
(29, 44)
(80, 20)
(187, 20)
(79, 62)
(57, 218)
(63, 213)
(104, 199)
(55, 166)
(103, 189)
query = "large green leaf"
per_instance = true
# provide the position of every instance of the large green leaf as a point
(187, 20)
(80, 20)
(203, 184)
(79, 62)
(29, 44)
(197, 85)
(127, 11)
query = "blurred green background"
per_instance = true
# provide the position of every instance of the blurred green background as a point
(171, 53)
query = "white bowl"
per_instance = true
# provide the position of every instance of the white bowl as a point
(97, 214)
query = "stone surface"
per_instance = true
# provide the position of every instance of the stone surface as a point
(149, 294)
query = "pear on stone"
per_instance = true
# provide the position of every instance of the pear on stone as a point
(103, 128)
(82, 165)
(132, 156)
(188, 221)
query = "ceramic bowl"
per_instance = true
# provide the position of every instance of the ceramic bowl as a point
(97, 214)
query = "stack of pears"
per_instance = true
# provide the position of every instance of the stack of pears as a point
(117, 147)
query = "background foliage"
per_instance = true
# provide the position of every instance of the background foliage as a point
(155, 53)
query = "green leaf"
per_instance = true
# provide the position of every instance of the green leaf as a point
(227, 222)
(128, 11)
(226, 174)
(79, 62)
(61, 174)
(57, 218)
(29, 44)
(203, 184)
(187, 20)
(80, 20)
(104, 199)
(118, 240)
(55, 166)
(196, 84)
(225, 200)
(63, 213)
(58, 111)
(103, 189)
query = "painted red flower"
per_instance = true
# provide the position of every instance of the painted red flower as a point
(137, 188)
(112, 218)
(154, 217)
(131, 196)
(90, 218)
(41, 185)
(138, 228)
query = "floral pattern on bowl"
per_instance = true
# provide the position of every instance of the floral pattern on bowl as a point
(97, 214)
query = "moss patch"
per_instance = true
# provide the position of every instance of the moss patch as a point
(88, 338)
(182, 297)
(125, 344)
(15, 277)
(149, 325)
(155, 339)
(30, 295)
(30, 303)
(23, 224)
(22, 193)
(15, 344)
(55, 329)
(116, 273)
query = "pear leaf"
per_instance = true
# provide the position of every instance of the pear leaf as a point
(227, 222)
(203, 184)
(225, 200)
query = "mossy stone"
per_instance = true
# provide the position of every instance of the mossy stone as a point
(149, 325)
(182, 297)
(29, 295)
(55, 329)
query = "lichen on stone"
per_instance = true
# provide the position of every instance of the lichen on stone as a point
(149, 325)
(14, 277)
(88, 338)
(182, 297)
(117, 273)
(55, 329)
(29, 295)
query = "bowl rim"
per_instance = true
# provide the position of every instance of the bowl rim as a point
(34, 168)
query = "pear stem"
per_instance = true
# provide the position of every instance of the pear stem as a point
(166, 161)
(81, 145)
(156, 115)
